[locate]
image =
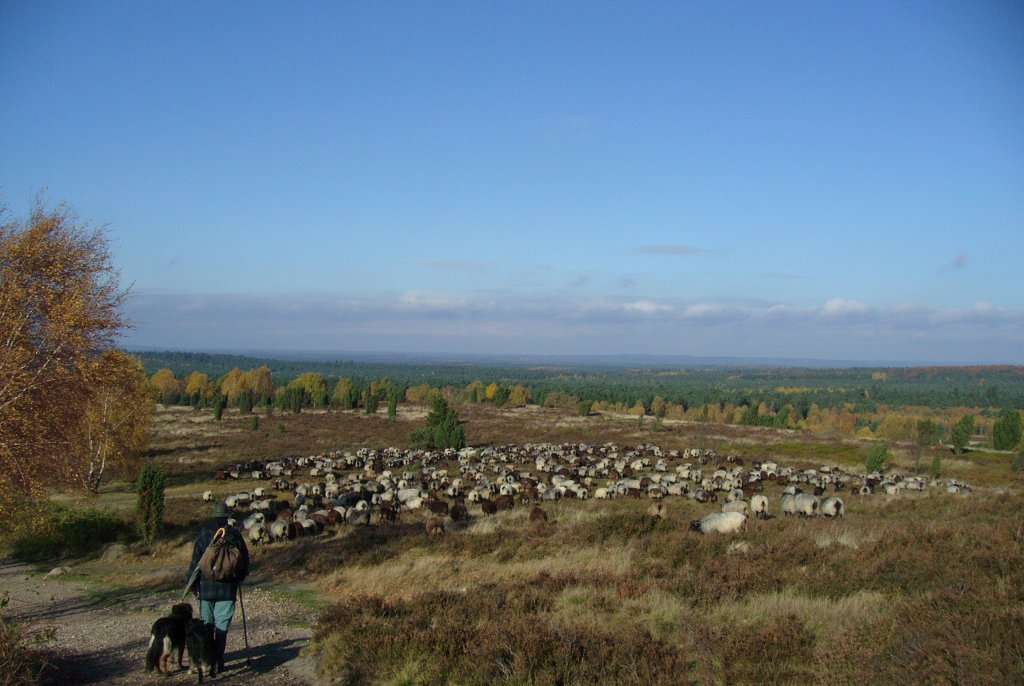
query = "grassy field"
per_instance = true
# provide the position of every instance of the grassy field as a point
(909, 589)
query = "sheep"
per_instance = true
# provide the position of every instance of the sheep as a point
(807, 505)
(435, 527)
(656, 511)
(759, 506)
(357, 516)
(719, 522)
(832, 507)
(279, 530)
(538, 516)
(207, 496)
(258, 533)
(387, 513)
(735, 506)
(488, 506)
(459, 512)
(438, 507)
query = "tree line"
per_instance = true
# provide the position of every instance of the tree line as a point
(786, 407)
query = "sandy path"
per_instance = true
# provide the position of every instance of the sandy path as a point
(102, 631)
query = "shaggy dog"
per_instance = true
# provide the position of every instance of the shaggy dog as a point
(166, 636)
(202, 651)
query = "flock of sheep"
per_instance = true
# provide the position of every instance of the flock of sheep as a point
(352, 487)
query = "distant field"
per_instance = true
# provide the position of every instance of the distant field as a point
(907, 589)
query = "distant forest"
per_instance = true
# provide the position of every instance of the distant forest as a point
(862, 391)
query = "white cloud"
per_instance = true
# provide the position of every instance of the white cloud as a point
(646, 307)
(839, 307)
(421, 320)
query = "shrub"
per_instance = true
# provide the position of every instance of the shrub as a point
(936, 466)
(584, 407)
(1006, 433)
(20, 658)
(149, 508)
(962, 433)
(254, 423)
(59, 531)
(1018, 462)
(877, 457)
(443, 429)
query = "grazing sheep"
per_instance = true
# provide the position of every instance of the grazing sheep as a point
(656, 511)
(788, 505)
(258, 533)
(438, 507)
(504, 502)
(279, 530)
(832, 507)
(488, 506)
(538, 516)
(388, 513)
(807, 505)
(435, 526)
(357, 516)
(207, 496)
(759, 506)
(459, 512)
(719, 522)
(735, 506)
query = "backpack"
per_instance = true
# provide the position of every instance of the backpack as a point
(223, 559)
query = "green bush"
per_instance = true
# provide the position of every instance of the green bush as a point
(1018, 462)
(443, 429)
(254, 423)
(584, 407)
(59, 531)
(877, 457)
(150, 505)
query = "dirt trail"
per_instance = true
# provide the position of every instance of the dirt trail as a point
(102, 630)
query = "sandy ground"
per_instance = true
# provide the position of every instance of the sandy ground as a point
(102, 631)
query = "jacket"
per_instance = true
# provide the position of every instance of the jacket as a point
(208, 588)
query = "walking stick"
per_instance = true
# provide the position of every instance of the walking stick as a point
(245, 631)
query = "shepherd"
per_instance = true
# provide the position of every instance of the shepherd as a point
(220, 562)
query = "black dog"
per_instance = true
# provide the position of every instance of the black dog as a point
(202, 649)
(166, 636)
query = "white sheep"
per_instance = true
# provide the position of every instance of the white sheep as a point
(735, 506)
(807, 504)
(759, 506)
(832, 507)
(719, 522)
(207, 496)
(258, 533)
(279, 530)
(788, 504)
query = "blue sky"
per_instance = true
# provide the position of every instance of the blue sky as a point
(794, 179)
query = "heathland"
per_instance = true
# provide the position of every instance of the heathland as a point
(910, 587)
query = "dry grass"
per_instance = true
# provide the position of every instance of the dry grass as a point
(904, 590)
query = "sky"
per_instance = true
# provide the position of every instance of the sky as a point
(804, 180)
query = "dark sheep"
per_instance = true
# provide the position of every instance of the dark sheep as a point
(488, 506)
(504, 502)
(538, 516)
(438, 507)
(435, 526)
(458, 512)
